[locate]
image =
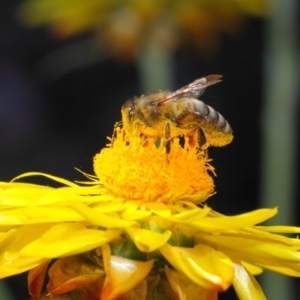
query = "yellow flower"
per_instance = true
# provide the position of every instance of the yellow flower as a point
(134, 230)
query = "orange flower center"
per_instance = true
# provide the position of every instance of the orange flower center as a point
(141, 169)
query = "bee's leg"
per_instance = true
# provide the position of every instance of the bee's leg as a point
(168, 138)
(197, 137)
(201, 139)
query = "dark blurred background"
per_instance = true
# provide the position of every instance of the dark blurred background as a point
(66, 69)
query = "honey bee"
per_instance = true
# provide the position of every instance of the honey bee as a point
(169, 115)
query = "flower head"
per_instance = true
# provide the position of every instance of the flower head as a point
(134, 230)
(145, 172)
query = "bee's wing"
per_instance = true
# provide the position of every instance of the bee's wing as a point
(194, 89)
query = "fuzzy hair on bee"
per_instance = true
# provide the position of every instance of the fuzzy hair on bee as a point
(169, 115)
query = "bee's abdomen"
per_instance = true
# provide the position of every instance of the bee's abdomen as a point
(216, 118)
(193, 113)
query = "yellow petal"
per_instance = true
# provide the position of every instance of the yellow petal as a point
(202, 264)
(101, 219)
(5, 235)
(224, 223)
(188, 216)
(132, 212)
(37, 215)
(254, 270)
(122, 274)
(147, 240)
(245, 285)
(21, 194)
(36, 277)
(11, 261)
(186, 289)
(70, 273)
(289, 269)
(111, 206)
(17, 194)
(68, 239)
(260, 235)
(54, 178)
(254, 251)
(280, 229)
(20, 265)
(160, 209)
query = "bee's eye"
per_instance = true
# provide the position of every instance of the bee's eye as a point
(130, 111)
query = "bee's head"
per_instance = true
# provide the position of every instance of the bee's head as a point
(128, 110)
(128, 114)
(142, 110)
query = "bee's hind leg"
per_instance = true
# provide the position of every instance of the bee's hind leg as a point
(202, 144)
(201, 138)
(195, 137)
